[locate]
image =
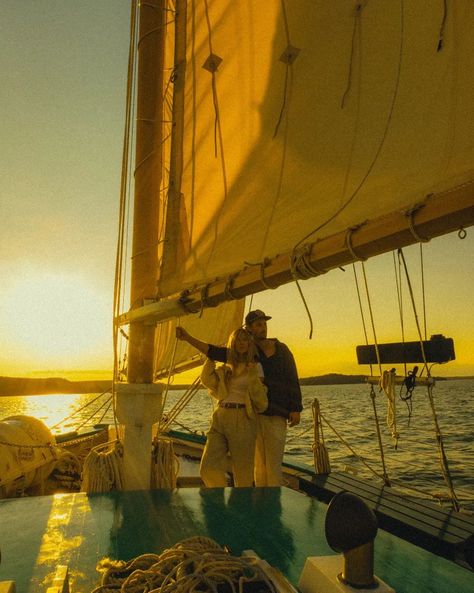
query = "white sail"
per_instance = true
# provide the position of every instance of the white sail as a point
(319, 116)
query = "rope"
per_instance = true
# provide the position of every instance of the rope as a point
(361, 311)
(379, 436)
(164, 464)
(381, 143)
(321, 457)
(412, 297)
(398, 282)
(377, 353)
(423, 288)
(194, 564)
(103, 471)
(217, 130)
(439, 438)
(124, 192)
(79, 410)
(387, 385)
(443, 460)
(357, 13)
(170, 370)
(179, 406)
(346, 444)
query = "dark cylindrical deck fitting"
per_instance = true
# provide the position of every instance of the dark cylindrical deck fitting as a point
(358, 571)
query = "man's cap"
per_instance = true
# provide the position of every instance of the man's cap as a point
(254, 315)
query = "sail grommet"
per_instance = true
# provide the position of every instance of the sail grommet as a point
(290, 54)
(410, 214)
(462, 233)
(212, 63)
(348, 242)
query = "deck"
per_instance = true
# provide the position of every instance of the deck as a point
(281, 525)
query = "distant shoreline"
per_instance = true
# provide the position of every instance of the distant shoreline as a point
(13, 386)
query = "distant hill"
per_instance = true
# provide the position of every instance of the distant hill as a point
(333, 379)
(23, 386)
(10, 386)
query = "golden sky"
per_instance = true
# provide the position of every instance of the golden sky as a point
(64, 66)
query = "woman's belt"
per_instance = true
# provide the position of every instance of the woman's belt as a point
(231, 405)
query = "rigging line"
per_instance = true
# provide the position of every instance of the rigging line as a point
(442, 26)
(379, 436)
(377, 353)
(307, 309)
(355, 26)
(288, 42)
(171, 368)
(217, 133)
(361, 312)
(344, 442)
(75, 412)
(284, 116)
(123, 187)
(442, 454)
(398, 282)
(423, 288)
(381, 143)
(412, 297)
(95, 412)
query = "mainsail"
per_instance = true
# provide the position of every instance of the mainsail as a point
(291, 126)
(302, 119)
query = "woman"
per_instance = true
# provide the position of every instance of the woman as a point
(239, 388)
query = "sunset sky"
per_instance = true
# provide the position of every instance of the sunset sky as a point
(62, 102)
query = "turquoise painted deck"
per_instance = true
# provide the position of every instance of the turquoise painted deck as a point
(282, 526)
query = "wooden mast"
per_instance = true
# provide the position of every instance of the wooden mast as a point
(148, 172)
(139, 400)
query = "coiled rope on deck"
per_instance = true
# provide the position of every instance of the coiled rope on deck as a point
(194, 564)
(103, 470)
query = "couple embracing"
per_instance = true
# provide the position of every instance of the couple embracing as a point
(259, 396)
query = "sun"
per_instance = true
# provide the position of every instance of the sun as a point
(58, 320)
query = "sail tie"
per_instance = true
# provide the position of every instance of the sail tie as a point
(300, 265)
(410, 214)
(229, 287)
(266, 262)
(348, 242)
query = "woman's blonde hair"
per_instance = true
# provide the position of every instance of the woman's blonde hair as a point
(234, 357)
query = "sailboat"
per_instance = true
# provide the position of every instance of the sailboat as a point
(274, 143)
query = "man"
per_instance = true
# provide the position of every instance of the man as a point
(284, 394)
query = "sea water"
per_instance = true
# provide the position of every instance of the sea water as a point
(412, 462)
